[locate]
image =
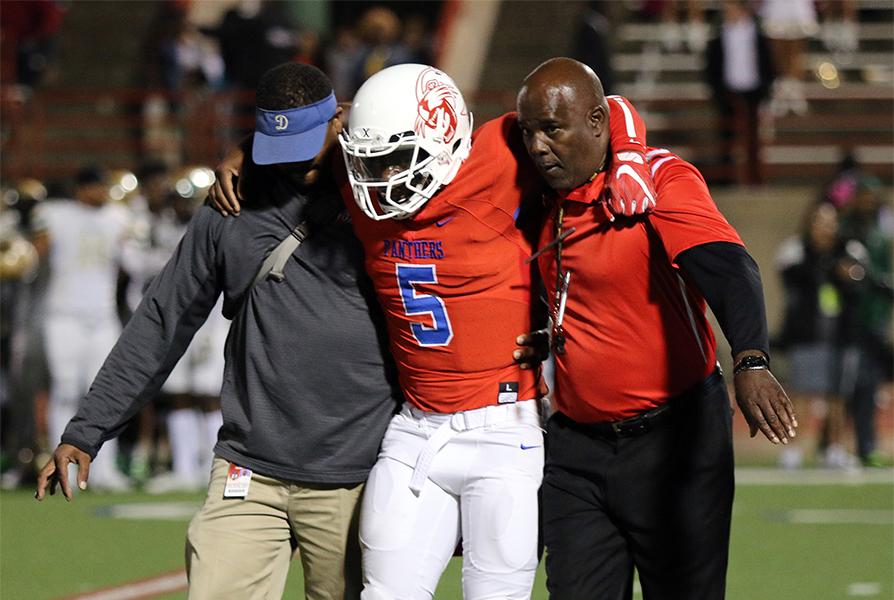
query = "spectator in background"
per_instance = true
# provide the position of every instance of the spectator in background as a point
(592, 43)
(18, 263)
(254, 37)
(841, 190)
(161, 32)
(192, 61)
(740, 72)
(382, 45)
(789, 24)
(840, 34)
(81, 240)
(29, 377)
(28, 35)
(821, 286)
(418, 39)
(145, 254)
(151, 245)
(178, 60)
(672, 31)
(867, 220)
(181, 57)
(341, 58)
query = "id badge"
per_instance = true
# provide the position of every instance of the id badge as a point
(238, 480)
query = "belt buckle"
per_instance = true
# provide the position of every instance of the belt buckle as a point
(631, 427)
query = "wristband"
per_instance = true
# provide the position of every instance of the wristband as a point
(753, 362)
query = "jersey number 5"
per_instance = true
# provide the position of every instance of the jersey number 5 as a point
(424, 304)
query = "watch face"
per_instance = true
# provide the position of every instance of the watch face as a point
(752, 362)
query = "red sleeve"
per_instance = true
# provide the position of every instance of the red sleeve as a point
(627, 128)
(686, 215)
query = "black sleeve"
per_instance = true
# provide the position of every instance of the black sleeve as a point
(173, 308)
(730, 281)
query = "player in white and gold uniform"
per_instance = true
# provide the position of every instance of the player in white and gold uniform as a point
(81, 240)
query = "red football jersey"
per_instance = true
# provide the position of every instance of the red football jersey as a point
(453, 281)
(635, 330)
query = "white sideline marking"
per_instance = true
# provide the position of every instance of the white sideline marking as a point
(802, 477)
(166, 583)
(864, 588)
(838, 516)
(155, 511)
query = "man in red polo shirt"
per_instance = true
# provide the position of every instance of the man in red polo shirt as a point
(639, 465)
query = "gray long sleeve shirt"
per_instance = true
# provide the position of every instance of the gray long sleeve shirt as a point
(309, 386)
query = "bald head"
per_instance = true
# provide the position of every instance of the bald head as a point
(567, 75)
(563, 115)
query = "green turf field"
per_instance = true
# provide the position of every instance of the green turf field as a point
(794, 537)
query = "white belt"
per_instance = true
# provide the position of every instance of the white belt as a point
(453, 423)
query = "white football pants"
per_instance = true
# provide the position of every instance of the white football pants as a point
(75, 349)
(200, 370)
(477, 474)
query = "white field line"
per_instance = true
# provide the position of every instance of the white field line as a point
(805, 477)
(838, 516)
(864, 589)
(166, 583)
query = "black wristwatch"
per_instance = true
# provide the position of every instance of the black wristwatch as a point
(752, 362)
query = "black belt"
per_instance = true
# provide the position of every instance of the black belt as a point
(643, 422)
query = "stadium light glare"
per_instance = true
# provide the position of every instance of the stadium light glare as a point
(184, 188)
(827, 73)
(201, 177)
(129, 183)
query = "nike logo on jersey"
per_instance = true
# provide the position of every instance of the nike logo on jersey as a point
(443, 222)
(526, 447)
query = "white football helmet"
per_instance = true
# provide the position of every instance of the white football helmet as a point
(408, 133)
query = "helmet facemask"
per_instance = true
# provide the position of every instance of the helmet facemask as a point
(408, 134)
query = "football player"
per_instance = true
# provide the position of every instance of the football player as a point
(82, 241)
(441, 215)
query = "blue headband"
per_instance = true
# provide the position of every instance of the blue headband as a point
(292, 135)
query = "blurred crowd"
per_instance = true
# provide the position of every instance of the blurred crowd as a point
(836, 333)
(250, 36)
(192, 45)
(75, 260)
(754, 55)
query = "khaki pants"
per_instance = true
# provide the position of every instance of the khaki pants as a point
(240, 548)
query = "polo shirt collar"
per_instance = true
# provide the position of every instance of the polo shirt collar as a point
(588, 193)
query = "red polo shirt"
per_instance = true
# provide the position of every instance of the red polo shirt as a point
(636, 332)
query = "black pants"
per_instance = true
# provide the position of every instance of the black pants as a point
(660, 501)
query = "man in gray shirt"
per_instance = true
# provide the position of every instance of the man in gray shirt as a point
(308, 385)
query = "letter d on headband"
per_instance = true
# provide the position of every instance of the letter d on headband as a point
(293, 134)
